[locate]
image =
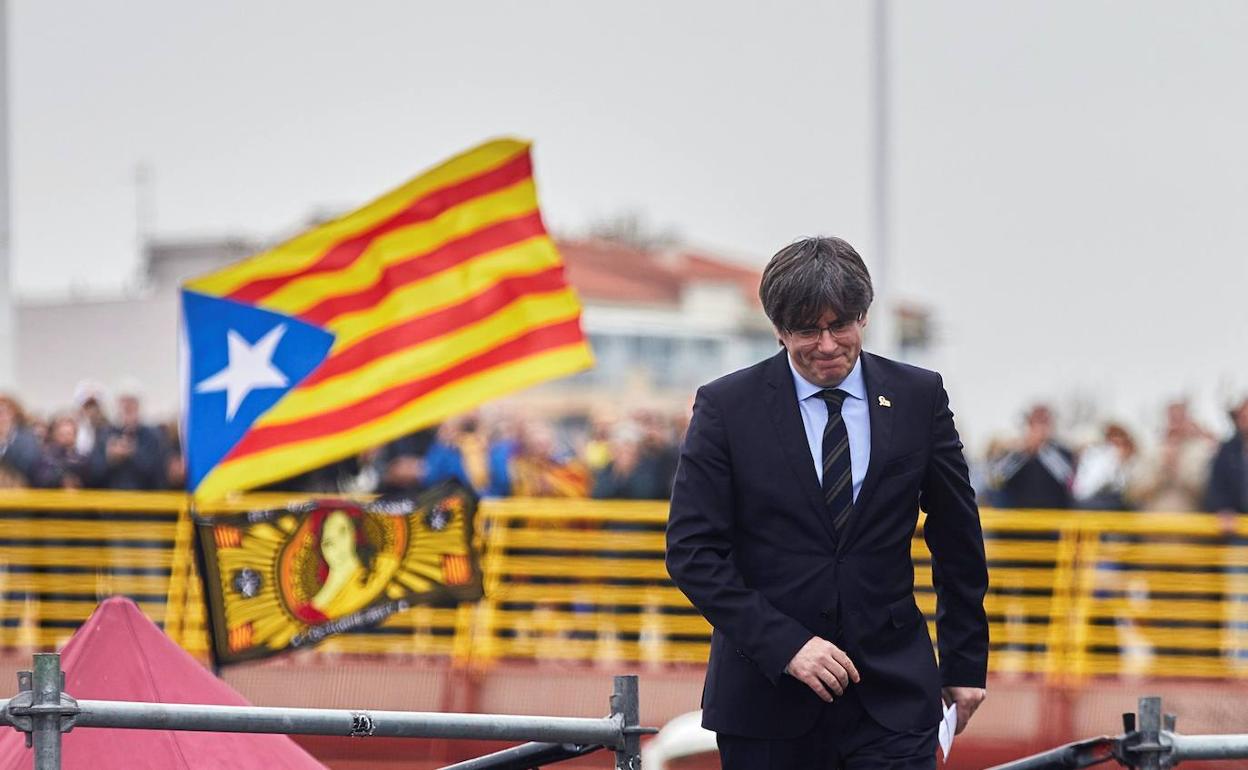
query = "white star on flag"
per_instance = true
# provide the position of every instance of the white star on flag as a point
(250, 368)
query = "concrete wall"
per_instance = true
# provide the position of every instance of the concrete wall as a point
(61, 343)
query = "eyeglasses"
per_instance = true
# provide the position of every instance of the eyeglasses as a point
(838, 329)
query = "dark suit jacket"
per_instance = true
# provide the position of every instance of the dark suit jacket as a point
(1228, 487)
(750, 542)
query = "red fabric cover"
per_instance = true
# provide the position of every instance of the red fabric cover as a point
(118, 654)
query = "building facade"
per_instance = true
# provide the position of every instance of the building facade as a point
(660, 322)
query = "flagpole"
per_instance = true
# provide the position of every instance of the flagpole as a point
(883, 321)
(8, 321)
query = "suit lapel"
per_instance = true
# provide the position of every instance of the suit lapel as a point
(782, 405)
(881, 438)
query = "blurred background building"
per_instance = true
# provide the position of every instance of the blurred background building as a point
(662, 319)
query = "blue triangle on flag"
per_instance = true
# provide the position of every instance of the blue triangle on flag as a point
(240, 360)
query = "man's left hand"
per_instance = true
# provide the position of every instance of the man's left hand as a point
(968, 699)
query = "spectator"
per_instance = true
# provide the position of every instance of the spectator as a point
(659, 449)
(631, 474)
(331, 478)
(505, 437)
(37, 426)
(1173, 477)
(1039, 471)
(1227, 493)
(401, 463)
(538, 468)
(131, 454)
(981, 472)
(365, 477)
(60, 464)
(1227, 496)
(462, 451)
(175, 463)
(597, 451)
(92, 422)
(1104, 469)
(19, 451)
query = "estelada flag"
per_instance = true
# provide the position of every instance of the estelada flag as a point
(425, 303)
(287, 578)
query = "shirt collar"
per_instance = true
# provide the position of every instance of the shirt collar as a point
(854, 384)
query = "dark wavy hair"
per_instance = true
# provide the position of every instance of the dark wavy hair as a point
(811, 276)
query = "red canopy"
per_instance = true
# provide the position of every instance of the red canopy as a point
(118, 654)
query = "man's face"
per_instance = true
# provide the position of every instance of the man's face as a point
(128, 407)
(1040, 423)
(828, 358)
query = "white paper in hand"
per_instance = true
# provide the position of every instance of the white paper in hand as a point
(948, 726)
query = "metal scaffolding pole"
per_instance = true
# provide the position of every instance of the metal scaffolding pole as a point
(43, 712)
(46, 712)
(1149, 742)
(524, 757)
(358, 724)
(1207, 746)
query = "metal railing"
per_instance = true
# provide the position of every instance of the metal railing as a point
(1149, 742)
(1073, 594)
(43, 711)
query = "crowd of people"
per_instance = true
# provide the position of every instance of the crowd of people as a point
(84, 447)
(1188, 467)
(104, 442)
(501, 455)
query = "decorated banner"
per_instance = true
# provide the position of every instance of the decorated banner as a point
(436, 297)
(287, 578)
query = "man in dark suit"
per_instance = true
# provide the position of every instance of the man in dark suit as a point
(1227, 491)
(795, 503)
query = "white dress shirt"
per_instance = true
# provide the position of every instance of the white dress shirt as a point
(853, 411)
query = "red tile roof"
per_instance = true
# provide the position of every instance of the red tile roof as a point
(608, 271)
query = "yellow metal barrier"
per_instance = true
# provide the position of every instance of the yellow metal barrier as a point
(1073, 594)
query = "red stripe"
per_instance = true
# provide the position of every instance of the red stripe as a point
(435, 324)
(387, 401)
(419, 266)
(423, 209)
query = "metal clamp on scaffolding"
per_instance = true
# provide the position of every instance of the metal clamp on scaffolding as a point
(1149, 742)
(43, 712)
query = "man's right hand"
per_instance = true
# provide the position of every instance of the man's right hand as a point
(822, 666)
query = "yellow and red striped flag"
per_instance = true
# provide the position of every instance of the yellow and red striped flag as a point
(424, 303)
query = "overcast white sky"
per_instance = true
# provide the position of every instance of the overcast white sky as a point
(1070, 177)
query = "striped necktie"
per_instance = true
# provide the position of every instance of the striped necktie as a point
(838, 474)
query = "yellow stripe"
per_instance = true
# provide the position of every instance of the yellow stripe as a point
(456, 397)
(75, 500)
(427, 359)
(604, 594)
(445, 289)
(587, 540)
(305, 249)
(42, 528)
(101, 584)
(68, 610)
(1166, 665)
(387, 644)
(106, 557)
(1174, 638)
(588, 567)
(550, 510)
(555, 623)
(399, 245)
(1170, 609)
